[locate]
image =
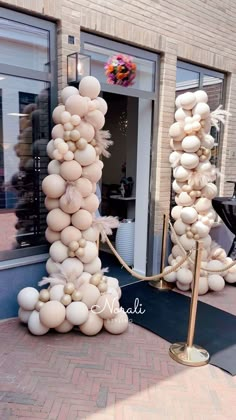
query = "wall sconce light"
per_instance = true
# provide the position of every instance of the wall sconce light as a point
(78, 66)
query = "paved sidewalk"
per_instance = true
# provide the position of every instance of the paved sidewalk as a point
(126, 377)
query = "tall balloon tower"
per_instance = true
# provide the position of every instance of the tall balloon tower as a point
(194, 187)
(78, 293)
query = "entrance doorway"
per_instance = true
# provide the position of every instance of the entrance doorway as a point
(129, 120)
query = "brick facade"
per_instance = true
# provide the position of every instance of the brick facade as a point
(199, 32)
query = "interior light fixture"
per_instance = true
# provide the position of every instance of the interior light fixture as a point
(17, 114)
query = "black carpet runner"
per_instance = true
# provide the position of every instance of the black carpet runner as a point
(166, 314)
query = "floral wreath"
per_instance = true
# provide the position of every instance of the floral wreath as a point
(120, 70)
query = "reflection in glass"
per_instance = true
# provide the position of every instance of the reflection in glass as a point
(186, 80)
(24, 133)
(213, 86)
(32, 42)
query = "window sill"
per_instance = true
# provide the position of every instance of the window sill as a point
(20, 262)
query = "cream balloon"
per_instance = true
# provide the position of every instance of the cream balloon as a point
(67, 92)
(52, 314)
(188, 100)
(90, 294)
(27, 298)
(93, 325)
(35, 326)
(89, 86)
(176, 211)
(77, 313)
(70, 234)
(191, 144)
(53, 186)
(57, 220)
(58, 251)
(118, 324)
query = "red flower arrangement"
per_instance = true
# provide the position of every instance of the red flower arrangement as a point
(120, 70)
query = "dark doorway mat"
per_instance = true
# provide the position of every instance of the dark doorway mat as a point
(167, 313)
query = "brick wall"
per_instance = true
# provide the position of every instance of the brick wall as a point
(202, 32)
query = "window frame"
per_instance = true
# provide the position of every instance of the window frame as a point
(31, 253)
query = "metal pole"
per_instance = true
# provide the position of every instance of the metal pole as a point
(188, 353)
(194, 300)
(161, 284)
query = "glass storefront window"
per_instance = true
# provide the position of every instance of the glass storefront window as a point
(23, 45)
(186, 80)
(213, 86)
(27, 96)
(190, 78)
(24, 122)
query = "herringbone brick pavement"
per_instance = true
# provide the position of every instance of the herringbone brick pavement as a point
(126, 377)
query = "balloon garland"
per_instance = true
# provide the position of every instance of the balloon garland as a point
(194, 187)
(79, 292)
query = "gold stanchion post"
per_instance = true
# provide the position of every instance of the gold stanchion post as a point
(188, 353)
(161, 284)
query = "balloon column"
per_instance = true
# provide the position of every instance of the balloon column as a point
(194, 186)
(79, 294)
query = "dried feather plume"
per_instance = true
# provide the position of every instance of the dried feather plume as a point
(60, 277)
(72, 193)
(103, 141)
(219, 116)
(200, 179)
(105, 225)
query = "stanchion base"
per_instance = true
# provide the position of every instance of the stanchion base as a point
(161, 285)
(190, 356)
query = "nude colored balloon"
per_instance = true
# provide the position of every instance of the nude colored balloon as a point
(92, 172)
(53, 186)
(72, 266)
(78, 105)
(52, 314)
(90, 252)
(52, 236)
(51, 203)
(96, 118)
(70, 234)
(93, 325)
(58, 251)
(87, 156)
(89, 86)
(58, 131)
(118, 324)
(90, 294)
(70, 171)
(86, 130)
(56, 115)
(94, 266)
(57, 220)
(67, 92)
(54, 167)
(77, 313)
(72, 205)
(82, 219)
(90, 203)
(84, 186)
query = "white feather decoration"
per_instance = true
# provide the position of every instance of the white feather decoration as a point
(219, 116)
(103, 141)
(105, 225)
